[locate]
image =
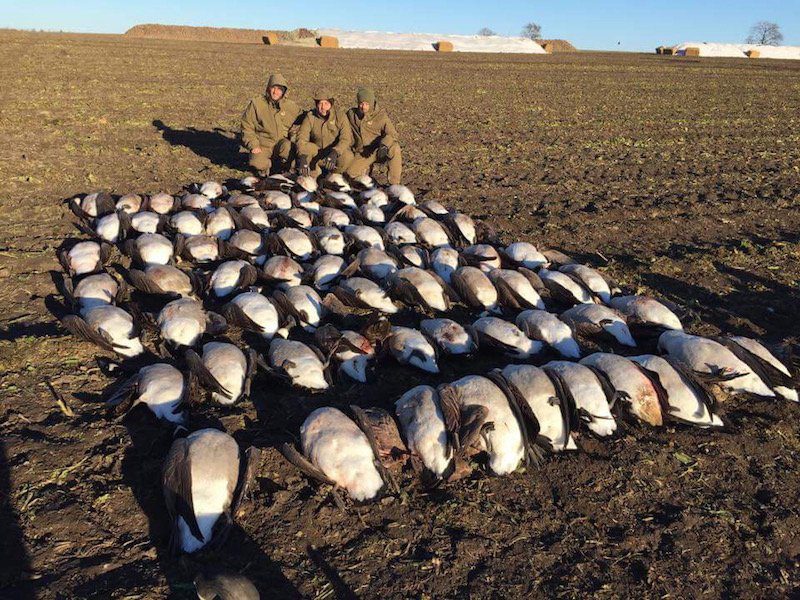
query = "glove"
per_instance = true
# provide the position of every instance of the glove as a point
(382, 155)
(329, 164)
(302, 165)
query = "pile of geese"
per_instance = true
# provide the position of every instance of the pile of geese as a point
(312, 273)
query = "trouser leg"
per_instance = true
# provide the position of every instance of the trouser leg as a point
(282, 156)
(395, 164)
(360, 165)
(260, 163)
(344, 161)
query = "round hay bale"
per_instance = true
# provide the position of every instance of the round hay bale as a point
(271, 39)
(753, 54)
(328, 41)
(443, 46)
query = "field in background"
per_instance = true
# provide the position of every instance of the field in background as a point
(680, 177)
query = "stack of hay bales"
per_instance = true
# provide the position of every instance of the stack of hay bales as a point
(556, 46)
(328, 41)
(665, 50)
(271, 39)
(548, 47)
(691, 51)
(443, 46)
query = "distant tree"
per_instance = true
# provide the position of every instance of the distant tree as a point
(486, 31)
(765, 33)
(533, 31)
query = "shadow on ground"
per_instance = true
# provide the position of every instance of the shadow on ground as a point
(218, 145)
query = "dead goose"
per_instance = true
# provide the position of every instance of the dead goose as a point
(478, 415)
(197, 202)
(296, 216)
(303, 303)
(220, 223)
(708, 357)
(145, 222)
(96, 204)
(544, 397)
(371, 215)
(435, 208)
(205, 478)
(524, 254)
(450, 337)
(162, 203)
(338, 453)
(292, 242)
(400, 233)
(375, 197)
(424, 429)
(109, 327)
(482, 256)
(444, 262)
(546, 327)
(461, 228)
(374, 263)
(504, 337)
(514, 290)
(475, 288)
(254, 312)
(407, 213)
(164, 280)
(420, 288)
(564, 288)
(188, 222)
(277, 200)
(200, 248)
(255, 217)
(360, 292)
(302, 365)
(250, 242)
(182, 322)
(282, 271)
(109, 228)
(366, 236)
(130, 203)
(99, 289)
(336, 182)
(587, 393)
(556, 258)
(340, 200)
(225, 586)
(85, 257)
(400, 193)
(224, 370)
(591, 320)
(430, 233)
(212, 190)
(410, 347)
(363, 182)
(764, 363)
(642, 312)
(333, 217)
(230, 276)
(688, 402)
(325, 272)
(329, 239)
(161, 387)
(149, 249)
(637, 391)
(410, 255)
(591, 278)
(351, 350)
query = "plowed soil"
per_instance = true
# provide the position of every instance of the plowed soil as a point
(680, 177)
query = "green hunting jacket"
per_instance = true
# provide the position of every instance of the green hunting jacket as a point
(264, 122)
(317, 133)
(372, 130)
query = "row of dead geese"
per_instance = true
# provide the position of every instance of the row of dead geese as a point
(370, 251)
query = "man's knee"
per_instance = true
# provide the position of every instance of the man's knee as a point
(283, 149)
(344, 161)
(260, 162)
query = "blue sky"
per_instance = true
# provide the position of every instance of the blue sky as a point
(611, 25)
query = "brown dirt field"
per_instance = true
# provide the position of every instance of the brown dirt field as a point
(684, 174)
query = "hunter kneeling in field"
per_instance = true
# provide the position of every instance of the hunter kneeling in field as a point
(269, 125)
(324, 138)
(374, 137)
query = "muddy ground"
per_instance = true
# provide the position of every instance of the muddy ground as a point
(681, 177)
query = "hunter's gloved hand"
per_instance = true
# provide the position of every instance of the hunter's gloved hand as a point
(302, 166)
(329, 164)
(382, 154)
